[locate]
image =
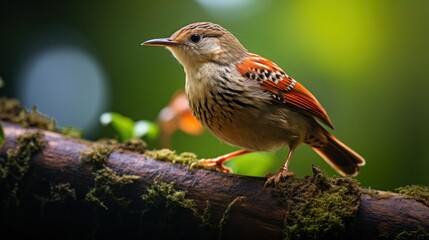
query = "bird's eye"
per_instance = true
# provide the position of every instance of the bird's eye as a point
(195, 38)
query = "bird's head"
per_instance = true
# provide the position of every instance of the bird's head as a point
(200, 43)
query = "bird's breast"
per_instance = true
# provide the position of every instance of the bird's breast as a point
(241, 113)
(216, 96)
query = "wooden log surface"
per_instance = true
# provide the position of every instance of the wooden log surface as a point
(253, 212)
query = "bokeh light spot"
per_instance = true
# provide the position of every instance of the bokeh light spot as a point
(66, 83)
(1, 82)
(232, 8)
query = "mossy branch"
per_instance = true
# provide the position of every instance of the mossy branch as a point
(91, 190)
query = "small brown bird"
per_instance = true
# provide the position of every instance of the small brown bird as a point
(249, 102)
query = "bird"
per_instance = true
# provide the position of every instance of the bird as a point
(249, 102)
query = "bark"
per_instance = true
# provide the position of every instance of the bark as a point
(223, 205)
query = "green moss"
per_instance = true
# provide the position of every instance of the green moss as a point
(378, 194)
(207, 216)
(108, 185)
(171, 156)
(59, 193)
(214, 228)
(418, 192)
(12, 111)
(108, 188)
(164, 211)
(134, 145)
(419, 234)
(17, 163)
(9, 108)
(96, 156)
(164, 194)
(227, 214)
(318, 207)
(71, 132)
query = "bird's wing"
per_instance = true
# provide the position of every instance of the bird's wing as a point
(282, 87)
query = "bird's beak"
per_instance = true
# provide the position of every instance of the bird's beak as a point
(165, 42)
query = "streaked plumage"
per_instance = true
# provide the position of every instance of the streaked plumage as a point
(248, 101)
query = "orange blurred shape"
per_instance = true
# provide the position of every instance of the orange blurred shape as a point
(189, 124)
(177, 115)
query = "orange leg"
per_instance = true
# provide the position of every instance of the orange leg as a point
(217, 163)
(283, 173)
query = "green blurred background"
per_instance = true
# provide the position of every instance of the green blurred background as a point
(365, 61)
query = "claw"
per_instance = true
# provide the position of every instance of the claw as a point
(217, 163)
(279, 176)
(212, 164)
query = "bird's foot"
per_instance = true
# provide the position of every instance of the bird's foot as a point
(279, 176)
(215, 163)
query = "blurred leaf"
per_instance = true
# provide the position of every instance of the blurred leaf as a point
(124, 126)
(257, 164)
(128, 129)
(71, 132)
(1, 134)
(147, 129)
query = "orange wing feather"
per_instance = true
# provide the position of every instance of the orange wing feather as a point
(282, 87)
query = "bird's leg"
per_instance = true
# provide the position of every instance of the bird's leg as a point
(283, 173)
(217, 163)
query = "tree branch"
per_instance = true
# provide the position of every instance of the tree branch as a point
(84, 189)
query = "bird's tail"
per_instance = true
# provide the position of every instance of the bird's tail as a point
(339, 156)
